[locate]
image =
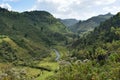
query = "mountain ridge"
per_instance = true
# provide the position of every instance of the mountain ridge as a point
(68, 22)
(89, 24)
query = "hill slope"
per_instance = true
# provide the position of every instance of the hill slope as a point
(90, 24)
(106, 37)
(33, 31)
(10, 51)
(68, 22)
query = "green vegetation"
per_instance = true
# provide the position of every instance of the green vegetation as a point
(28, 41)
(34, 32)
(68, 22)
(95, 56)
(88, 25)
(88, 71)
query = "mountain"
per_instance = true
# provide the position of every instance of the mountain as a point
(102, 44)
(107, 33)
(94, 56)
(32, 32)
(90, 24)
(68, 22)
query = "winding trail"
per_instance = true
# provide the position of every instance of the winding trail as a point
(57, 55)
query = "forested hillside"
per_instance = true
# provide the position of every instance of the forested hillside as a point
(88, 25)
(27, 41)
(95, 56)
(33, 31)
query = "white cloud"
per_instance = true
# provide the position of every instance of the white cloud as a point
(104, 2)
(80, 9)
(60, 5)
(6, 5)
(112, 9)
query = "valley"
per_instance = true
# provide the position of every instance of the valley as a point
(34, 45)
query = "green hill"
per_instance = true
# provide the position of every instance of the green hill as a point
(90, 24)
(11, 52)
(107, 32)
(34, 31)
(27, 41)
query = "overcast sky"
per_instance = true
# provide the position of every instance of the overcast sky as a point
(79, 9)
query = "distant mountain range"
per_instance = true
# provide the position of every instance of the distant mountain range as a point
(68, 22)
(86, 25)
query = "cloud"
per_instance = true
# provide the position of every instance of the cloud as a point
(112, 9)
(104, 2)
(59, 5)
(59, 8)
(6, 5)
(80, 9)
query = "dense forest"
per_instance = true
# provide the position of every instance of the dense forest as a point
(35, 45)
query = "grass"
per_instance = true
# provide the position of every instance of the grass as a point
(31, 72)
(2, 37)
(48, 62)
(45, 75)
(36, 74)
(51, 65)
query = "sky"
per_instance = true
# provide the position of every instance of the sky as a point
(78, 9)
